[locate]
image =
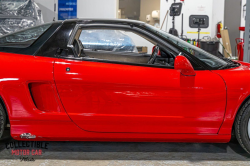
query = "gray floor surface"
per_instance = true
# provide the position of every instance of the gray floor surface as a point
(111, 153)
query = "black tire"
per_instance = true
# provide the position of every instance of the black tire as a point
(233, 137)
(2, 121)
(241, 126)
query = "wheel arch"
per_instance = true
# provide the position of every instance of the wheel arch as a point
(231, 113)
(238, 110)
(5, 109)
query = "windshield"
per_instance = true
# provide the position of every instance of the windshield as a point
(211, 60)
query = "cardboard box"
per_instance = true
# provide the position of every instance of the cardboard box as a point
(142, 50)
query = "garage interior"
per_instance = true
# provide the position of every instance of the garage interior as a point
(219, 27)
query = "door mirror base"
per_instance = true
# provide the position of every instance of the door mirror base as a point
(182, 63)
(62, 52)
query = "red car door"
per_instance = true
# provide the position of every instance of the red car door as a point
(107, 97)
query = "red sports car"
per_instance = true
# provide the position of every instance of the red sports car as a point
(119, 80)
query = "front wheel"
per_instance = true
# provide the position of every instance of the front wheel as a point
(2, 121)
(242, 126)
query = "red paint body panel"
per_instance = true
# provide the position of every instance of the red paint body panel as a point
(16, 73)
(44, 96)
(112, 102)
(238, 90)
(103, 97)
(68, 131)
(182, 63)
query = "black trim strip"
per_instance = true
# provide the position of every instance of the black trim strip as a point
(115, 62)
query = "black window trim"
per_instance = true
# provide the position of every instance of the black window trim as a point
(57, 29)
(116, 62)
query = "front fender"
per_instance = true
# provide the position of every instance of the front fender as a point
(238, 90)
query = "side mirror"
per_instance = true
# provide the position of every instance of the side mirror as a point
(182, 63)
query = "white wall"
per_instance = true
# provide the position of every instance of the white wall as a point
(97, 8)
(85, 9)
(190, 7)
(213, 8)
(47, 7)
(217, 15)
(243, 21)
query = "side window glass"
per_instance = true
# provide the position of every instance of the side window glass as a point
(121, 46)
(114, 41)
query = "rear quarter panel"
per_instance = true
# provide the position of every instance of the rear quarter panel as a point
(16, 73)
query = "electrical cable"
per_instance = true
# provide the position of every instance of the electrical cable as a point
(164, 19)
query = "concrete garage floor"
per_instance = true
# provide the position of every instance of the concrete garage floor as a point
(110, 153)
